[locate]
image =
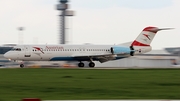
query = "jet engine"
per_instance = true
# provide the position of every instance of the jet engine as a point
(123, 50)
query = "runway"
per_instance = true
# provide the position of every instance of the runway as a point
(172, 67)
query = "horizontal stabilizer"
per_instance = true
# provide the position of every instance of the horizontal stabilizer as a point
(165, 29)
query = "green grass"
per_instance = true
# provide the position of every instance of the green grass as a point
(61, 84)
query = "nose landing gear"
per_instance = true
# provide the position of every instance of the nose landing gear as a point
(21, 65)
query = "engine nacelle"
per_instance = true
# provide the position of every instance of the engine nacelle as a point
(121, 50)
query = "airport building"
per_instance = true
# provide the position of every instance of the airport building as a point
(154, 58)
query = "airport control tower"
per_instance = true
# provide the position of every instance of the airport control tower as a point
(63, 6)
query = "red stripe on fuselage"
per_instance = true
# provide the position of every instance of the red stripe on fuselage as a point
(136, 43)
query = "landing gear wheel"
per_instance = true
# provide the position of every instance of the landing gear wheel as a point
(81, 64)
(91, 64)
(21, 65)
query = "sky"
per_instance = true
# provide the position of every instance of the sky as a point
(95, 21)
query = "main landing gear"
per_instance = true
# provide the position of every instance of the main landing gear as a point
(81, 64)
(91, 64)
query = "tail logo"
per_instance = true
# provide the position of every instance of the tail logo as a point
(147, 36)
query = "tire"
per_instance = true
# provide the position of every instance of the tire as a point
(21, 65)
(91, 64)
(81, 64)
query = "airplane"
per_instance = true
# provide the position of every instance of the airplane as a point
(90, 53)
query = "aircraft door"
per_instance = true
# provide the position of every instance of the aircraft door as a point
(27, 51)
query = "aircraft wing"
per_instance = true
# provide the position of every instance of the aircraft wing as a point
(98, 57)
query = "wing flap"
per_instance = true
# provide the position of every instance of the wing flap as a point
(89, 55)
(96, 57)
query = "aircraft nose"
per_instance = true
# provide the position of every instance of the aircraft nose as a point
(7, 55)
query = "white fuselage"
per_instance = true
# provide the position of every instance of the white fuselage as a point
(67, 52)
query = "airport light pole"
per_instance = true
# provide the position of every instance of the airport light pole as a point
(20, 35)
(63, 6)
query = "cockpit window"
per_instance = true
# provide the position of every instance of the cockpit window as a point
(16, 49)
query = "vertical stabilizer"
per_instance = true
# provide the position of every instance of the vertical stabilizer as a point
(142, 43)
(146, 36)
